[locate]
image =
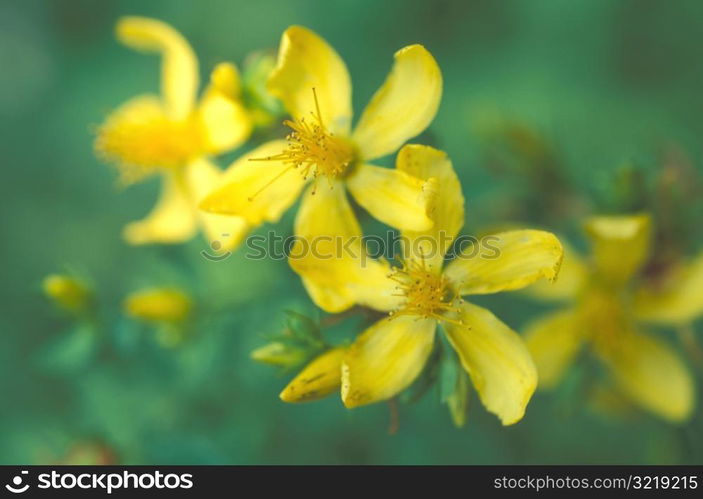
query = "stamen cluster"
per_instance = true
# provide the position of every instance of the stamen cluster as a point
(313, 149)
(427, 293)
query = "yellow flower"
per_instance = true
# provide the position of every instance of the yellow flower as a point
(172, 136)
(67, 292)
(388, 356)
(159, 305)
(601, 314)
(313, 84)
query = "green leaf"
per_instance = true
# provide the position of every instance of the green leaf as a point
(303, 328)
(458, 400)
(454, 387)
(448, 374)
(71, 351)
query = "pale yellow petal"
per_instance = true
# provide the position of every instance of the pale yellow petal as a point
(223, 232)
(259, 191)
(385, 359)
(325, 221)
(318, 379)
(404, 105)
(505, 261)
(446, 209)
(677, 300)
(572, 277)
(554, 341)
(225, 122)
(497, 361)
(393, 196)
(652, 374)
(307, 62)
(329, 256)
(225, 78)
(179, 69)
(620, 245)
(172, 220)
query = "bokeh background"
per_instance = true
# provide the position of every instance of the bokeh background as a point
(610, 89)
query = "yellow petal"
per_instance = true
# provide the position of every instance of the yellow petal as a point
(173, 219)
(325, 217)
(329, 256)
(620, 245)
(404, 105)
(225, 79)
(497, 361)
(446, 209)
(259, 191)
(653, 375)
(223, 232)
(385, 359)
(225, 122)
(678, 300)
(307, 62)
(393, 196)
(319, 378)
(571, 279)
(553, 341)
(506, 261)
(179, 70)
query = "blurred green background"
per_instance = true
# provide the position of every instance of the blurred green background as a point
(605, 83)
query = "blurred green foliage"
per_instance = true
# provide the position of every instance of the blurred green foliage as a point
(602, 92)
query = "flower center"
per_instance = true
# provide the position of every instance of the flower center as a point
(313, 149)
(145, 143)
(427, 294)
(607, 315)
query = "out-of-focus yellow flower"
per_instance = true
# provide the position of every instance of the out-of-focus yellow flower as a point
(313, 84)
(601, 314)
(159, 305)
(172, 135)
(90, 453)
(320, 378)
(387, 357)
(67, 292)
